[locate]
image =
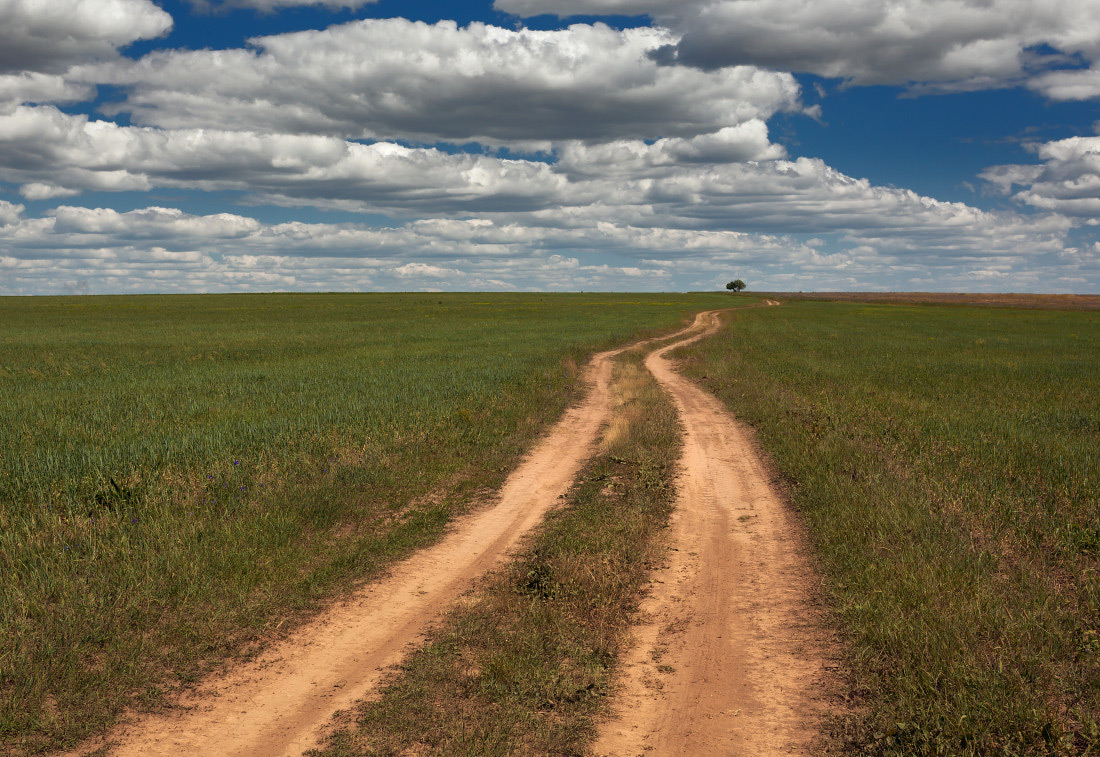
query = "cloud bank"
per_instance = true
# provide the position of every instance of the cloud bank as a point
(956, 44)
(441, 82)
(74, 249)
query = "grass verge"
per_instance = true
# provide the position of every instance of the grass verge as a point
(524, 665)
(946, 461)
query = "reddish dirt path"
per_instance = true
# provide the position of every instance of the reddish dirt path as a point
(730, 659)
(281, 703)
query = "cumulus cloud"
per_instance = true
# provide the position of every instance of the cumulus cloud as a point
(957, 44)
(734, 144)
(34, 87)
(270, 6)
(1067, 181)
(441, 82)
(10, 213)
(50, 35)
(1081, 84)
(563, 8)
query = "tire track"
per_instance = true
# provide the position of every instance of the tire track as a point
(732, 657)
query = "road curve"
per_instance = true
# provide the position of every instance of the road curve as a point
(281, 703)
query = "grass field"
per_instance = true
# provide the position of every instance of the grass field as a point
(947, 462)
(181, 477)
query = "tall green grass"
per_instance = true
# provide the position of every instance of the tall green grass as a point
(947, 461)
(181, 477)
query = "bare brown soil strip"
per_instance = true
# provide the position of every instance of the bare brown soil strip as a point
(281, 703)
(732, 658)
(1028, 301)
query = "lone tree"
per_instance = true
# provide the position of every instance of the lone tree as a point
(735, 286)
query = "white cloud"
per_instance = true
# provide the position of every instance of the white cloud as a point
(33, 87)
(635, 158)
(38, 191)
(969, 43)
(10, 213)
(271, 6)
(956, 44)
(437, 82)
(51, 35)
(1067, 182)
(1068, 85)
(595, 7)
(153, 223)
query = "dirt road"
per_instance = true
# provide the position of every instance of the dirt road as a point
(280, 703)
(721, 668)
(731, 660)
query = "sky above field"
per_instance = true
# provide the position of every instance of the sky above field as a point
(360, 145)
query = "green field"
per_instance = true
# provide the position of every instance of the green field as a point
(181, 477)
(947, 463)
(184, 478)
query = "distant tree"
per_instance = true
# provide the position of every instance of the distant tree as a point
(736, 285)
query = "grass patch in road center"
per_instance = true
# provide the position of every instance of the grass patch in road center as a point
(524, 666)
(947, 461)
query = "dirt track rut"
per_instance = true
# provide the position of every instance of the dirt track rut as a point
(731, 659)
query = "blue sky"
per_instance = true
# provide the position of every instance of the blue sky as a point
(264, 145)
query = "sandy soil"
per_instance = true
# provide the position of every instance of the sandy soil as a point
(732, 658)
(281, 703)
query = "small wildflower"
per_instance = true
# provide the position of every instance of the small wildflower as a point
(133, 520)
(236, 462)
(210, 477)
